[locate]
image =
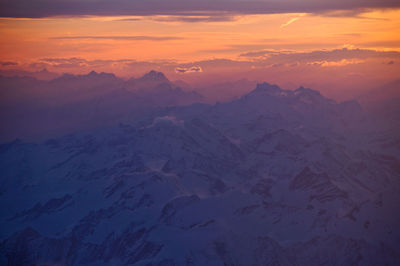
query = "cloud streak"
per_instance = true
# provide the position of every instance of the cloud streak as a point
(8, 63)
(335, 55)
(195, 19)
(50, 8)
(291, 21)
(119, 38)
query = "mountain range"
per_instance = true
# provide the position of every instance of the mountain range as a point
(275, 177)
(36, 109)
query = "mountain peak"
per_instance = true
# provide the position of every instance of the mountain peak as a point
(302, 90)
(154, 76)
(265, 89)
(311, 96)
(92, 73)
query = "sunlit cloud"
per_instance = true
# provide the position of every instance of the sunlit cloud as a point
(335, 55)
(342, 62)
(291, 21)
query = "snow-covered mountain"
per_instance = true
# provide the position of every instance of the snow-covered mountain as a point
(276, 177)
(35, 108)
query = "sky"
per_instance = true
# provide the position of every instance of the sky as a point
(318, 43)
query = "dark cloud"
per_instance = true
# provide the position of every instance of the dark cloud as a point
(8, 63)
(128, 19)
(193, 19)
(193, 69)
(48, 8)
(119, 38)
(355, 13)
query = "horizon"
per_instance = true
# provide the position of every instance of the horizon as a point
(186, 86)
(45, 75)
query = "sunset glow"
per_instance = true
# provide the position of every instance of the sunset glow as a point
(321, 46)
(193, 38)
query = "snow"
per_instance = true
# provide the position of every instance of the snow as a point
(253, 181)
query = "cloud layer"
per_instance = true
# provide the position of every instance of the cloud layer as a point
(48, 8)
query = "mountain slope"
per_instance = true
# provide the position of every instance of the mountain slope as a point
(274, 178)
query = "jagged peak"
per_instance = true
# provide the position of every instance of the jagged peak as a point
(101, 74)
(92, 73)
(311, 96)
(154, 76)
(267, 87)
(64, 77)
(302, 90)
(264, 89)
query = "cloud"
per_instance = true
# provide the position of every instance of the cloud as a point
(8, 63)
(119, 38)
(259, 53)
(335, 55)
(340, 13)
(194, 19)
(49, 8)
(71, 63)
(62, 62)
(125, 67)
(263, 58)
(260, 65)
(193, 69)
(271, 44)
(128, 19)
(291, 21)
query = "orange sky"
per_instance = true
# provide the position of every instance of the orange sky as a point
(32, 39)
(291, 49)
